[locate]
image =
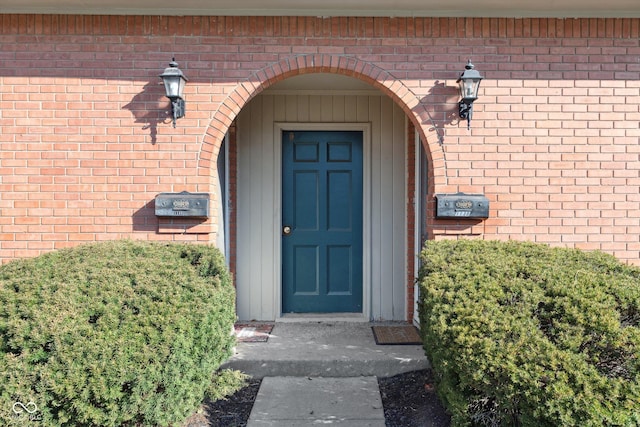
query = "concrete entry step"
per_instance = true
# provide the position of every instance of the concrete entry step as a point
(307, 401)
(325, 349)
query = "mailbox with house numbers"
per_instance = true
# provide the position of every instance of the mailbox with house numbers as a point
(461, 205)
(183, 204)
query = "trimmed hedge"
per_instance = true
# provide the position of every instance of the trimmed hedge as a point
(113, 334)
(521, 334)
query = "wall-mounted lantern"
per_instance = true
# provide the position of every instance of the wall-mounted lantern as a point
(174, 82)
(469, 82)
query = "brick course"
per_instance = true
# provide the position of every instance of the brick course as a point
(86, 144)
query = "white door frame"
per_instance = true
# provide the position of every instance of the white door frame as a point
(365, 128)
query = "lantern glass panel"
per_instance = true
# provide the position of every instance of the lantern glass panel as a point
(181, 84)
(172, 86)
(469, 88)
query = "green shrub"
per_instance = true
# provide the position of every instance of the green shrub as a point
(225, 383)
(113, 334)
(521, 334)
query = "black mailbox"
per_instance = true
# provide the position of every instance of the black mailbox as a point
(183, 204)
(462, 205)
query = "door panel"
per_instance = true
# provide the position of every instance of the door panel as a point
(340, 200)
(322, 204)
(340, 261)
(305, 263)
(306, 199)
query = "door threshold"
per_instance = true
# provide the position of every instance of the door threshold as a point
(321, 317)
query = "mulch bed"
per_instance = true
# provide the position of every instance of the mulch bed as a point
(410, 400)
(231, 412)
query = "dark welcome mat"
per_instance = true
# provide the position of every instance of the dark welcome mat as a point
(396, 335)
(252, 332)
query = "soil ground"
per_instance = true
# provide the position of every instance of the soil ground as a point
(409, 400)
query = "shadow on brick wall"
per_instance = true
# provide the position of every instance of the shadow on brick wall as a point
(149, 107)
(144, 219)
(441, 105)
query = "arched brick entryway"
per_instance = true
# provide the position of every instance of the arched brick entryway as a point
(396, 90)
(320, 63)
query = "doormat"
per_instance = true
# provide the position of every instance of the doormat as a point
(253, 332)
(396, 335)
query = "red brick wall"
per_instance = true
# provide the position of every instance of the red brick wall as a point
(85, 141)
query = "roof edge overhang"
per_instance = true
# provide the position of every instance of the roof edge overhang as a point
(327, 13)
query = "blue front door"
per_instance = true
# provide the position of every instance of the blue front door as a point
(321, 221)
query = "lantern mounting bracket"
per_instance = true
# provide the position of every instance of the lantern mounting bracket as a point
(178, 109)
(465, 112)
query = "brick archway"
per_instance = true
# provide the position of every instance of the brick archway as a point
(398, 91)
(320, 63)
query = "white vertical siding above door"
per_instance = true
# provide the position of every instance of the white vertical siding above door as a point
(256, 276)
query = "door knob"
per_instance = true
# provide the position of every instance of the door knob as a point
(286, 230)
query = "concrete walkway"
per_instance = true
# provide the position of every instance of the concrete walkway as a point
(308, 401)
(322, 373)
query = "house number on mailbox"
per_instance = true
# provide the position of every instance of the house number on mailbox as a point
(464, 204)
(180, 205)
